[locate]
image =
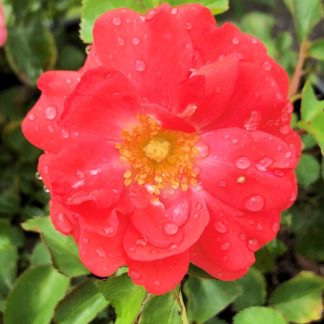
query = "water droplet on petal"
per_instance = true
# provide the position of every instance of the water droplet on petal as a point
(121, 41)
(253, 121)
(141, 242)
(235, 41)
(85, 240)
(220, 227)
(109, 231)
(253, 41)
(242, 237)
(188, 25)
(31, 117)
(101, 253)
(288, 155)
(173, 247)
(94, 172)
(139, 66)
(259, 227)
(38, 176)
(279, 173)
(243, 163)
(267, 66)
(263, 164)
(50, 129)
(135, 41)
(234, 140)
(226, 246)
(174, 11)
(134, 274)
(171, 228)
(198, 206)
(222, 184)
(116, 21)
(65, 133)
(253, 245)
(157, 283)
(203, 149)
(80, 174)
(50, 112)
(275, 227)
(284, 130)
(254, 203)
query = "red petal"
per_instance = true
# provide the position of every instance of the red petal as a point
(102, 104)
(160, 276)
(95, 174)
(40, 125)
(153, 51)
(245, 169)
(166, 228)
(102, 255)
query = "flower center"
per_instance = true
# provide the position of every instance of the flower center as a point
(157, 149)
(158, 157)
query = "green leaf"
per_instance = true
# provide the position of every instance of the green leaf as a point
(40, 255)
(207, 297)
(63, 249)
(306, 15)
(92, 9)
(30, 49)
(126, 297)
(308, 170)
(316, 49)
(312, 113)
(165, 309)
(35, 295)
(299, 298)
(259, 315)
(308, 141)
(254, 290)
(81, 305)
(197, 272)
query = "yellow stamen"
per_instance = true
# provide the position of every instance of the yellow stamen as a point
(159, 157)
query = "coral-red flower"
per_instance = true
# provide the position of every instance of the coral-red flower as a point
(3, 29)
(171, 145)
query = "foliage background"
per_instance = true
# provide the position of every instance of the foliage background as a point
(41, 278)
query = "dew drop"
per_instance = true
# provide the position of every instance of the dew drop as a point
(50, 129)
(38, 176)
(80, 174)
(275, 227)
(31, 117)
(263, 164)
(288, 155)
(222, 184)
(242, 163)
(50, 112)
(267, 66)
(85, 240)
(101, 253)
(253, 245)
(171, 228)
(94, 172)
(65, 133)
(279, 173)
(141, 242)
(254, 203)
(109, 231)
(198, 206)
(226, 246)
(188, 25)
(284, 130)
(120, 41)
(135, 41)
(203, 149)
(68, 81)
(46, 189)
(134, 275)
(242, 237)
(116, 21)
(234, 140)
(173, 247)
(259, 227)
(253, 41)
(220, 227)
(174, 11)
(157, 283)
(140, 65)
(235, 41)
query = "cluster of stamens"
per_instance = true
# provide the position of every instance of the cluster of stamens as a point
(158, 157)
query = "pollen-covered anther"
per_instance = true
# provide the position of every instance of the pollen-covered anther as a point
(159, 157)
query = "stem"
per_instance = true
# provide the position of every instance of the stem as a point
(294, 84)
(184, 319)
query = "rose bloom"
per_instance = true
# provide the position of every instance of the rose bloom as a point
(171, 145)
(3, 29)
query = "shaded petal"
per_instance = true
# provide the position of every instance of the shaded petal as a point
(166, 228)
(245, 169)
(152, 51)
(160, 276)
(84, 172)
(41, 123)
(102, 104)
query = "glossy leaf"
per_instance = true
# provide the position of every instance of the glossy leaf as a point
(40, 255)
(259, 315)
(63, 249)
(81, 305)
(308, 170)
(316, 49)
(126, 297)
(312, 113)
(30, 49)
(207, 297)
(306, 15)
(35, 296)
(254, 290)
(299, 298)
(165, 309)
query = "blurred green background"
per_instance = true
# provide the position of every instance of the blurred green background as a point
(286, 282)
